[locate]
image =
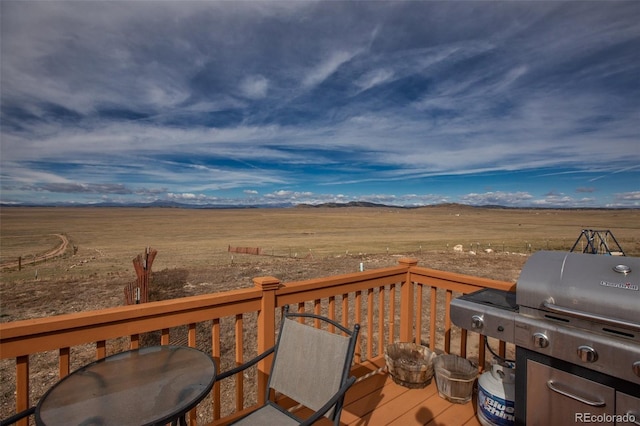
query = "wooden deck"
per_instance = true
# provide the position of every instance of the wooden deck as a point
(394, 303)
(375, 399)
(378, 400)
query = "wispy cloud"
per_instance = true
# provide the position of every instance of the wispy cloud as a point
(629, 196)
(210, 101)
(325, 68)
(254, 87)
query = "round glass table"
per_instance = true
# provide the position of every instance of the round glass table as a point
(153, 385)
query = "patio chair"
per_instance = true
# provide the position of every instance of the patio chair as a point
(18, 416)
(310, 365)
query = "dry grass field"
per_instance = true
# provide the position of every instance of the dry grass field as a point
(297, 244)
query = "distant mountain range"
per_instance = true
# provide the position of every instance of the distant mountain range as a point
(365, 204)
(154, 204)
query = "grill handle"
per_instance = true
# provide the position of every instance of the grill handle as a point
(615, 322)
(554, 387)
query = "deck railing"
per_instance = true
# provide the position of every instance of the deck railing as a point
(400, 303)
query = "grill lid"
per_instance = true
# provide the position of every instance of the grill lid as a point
(599, 288)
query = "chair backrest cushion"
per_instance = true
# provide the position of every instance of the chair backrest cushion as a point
(309, 364)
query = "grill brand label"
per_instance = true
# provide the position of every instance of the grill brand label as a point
(624, 286)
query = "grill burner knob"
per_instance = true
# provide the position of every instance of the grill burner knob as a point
(587, 354)
(540, 340)
(636, 368)
(477, 322)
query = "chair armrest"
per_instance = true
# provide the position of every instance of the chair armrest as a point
(21, 415)
(333, 401)
(246, 365)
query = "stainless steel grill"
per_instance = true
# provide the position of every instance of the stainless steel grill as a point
(575, 321)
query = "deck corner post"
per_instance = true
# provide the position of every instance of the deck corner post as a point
(406, 301)
(266, 329)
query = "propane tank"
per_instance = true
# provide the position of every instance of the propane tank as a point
(496, 396)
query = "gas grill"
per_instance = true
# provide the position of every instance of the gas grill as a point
(575, 322)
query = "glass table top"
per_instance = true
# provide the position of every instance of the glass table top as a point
(139, 387)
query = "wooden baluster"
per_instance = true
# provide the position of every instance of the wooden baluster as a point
(191, 335)
(135, 341)
(502, 349)
(392, 314)
(215, 353)
(433, 318)
(22, 386)
(447, 321)
(101, 349)
(481, 352)
(191, 342)
(419, 307)
(370, 330)
(317, 309)
(239, 361)
(64, 362)
(463, 342)
(345, 309)
(164, 336)
(332, 312)
(358, 320)
(381, 318)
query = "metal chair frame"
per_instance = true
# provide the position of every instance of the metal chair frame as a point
(18, 416)
(336, 400)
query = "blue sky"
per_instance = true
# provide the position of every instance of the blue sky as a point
(407, 103)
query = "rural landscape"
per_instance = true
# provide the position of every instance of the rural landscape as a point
(181, 173)
(64, 260)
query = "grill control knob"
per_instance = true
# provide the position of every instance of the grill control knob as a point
(587, 354)
(477, 322)
(636, 368)
(540, 340)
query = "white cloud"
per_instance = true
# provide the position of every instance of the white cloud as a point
(254, 87)
(325, 68)
(374, 78)
(190, 197)
(497, 198)
(628, 196)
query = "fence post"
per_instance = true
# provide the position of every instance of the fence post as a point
(406, 302)
(139, 292)
(266, 329)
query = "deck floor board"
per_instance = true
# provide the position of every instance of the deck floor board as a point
(378, 400)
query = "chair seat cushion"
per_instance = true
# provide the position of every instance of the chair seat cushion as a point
(267, 415)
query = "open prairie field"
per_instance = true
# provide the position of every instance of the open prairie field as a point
(296, 243)
(79, 259)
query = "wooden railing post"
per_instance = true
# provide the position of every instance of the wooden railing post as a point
(22, 386)
(266, 329)
(406, 302)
